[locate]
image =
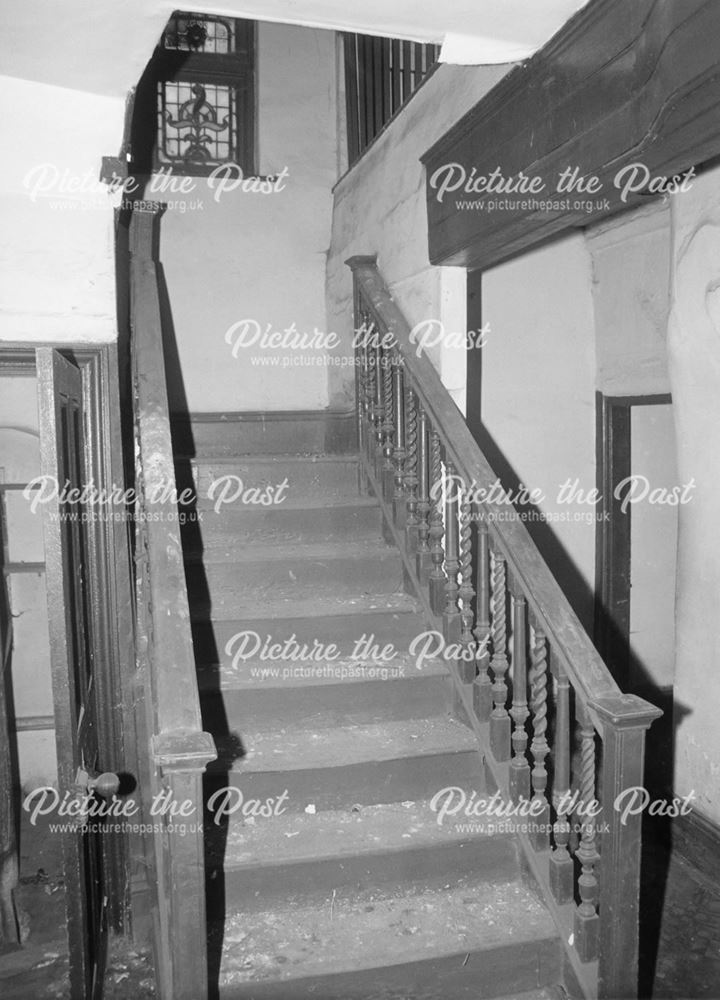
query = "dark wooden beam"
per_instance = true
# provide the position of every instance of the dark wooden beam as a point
(621, 84)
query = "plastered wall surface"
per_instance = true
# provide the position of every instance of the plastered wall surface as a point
(538, 396)
(631, 299)
(260, 258)
(57, 277)
(694, 364)
(380, 208)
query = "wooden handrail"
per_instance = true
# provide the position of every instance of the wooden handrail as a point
(177, 747)
(550, 655)
(549, 602)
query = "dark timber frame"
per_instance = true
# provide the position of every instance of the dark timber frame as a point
(620, 83)
(112, 580)
(613, 536)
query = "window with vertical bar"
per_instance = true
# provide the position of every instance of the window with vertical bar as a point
(380, 75)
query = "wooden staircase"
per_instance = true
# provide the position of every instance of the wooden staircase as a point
(352, 889)
(331, 876)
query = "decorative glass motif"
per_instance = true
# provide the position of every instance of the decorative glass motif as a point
(196, 123)
(199, 33)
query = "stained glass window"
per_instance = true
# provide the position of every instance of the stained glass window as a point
(197, 123)
(198, 32)
(201, 79)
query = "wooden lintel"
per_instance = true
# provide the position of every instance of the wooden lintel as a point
(621, 84)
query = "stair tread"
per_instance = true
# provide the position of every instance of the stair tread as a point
(372, 929)
(319, 551)
(289, 748)
(272, 458)
(385, 625)
(288, 605)
(257, 674)
(310, 502)
(332, 833)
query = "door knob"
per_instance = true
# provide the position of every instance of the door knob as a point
(105, 785)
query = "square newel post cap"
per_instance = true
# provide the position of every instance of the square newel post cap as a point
(183, 751)
(625, 711)
(361, 260)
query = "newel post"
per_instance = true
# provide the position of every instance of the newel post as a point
(182, 761)
(625, 718)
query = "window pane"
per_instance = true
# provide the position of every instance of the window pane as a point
(185, 31)
(196, 123)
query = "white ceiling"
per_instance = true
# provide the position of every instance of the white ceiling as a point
(102, 46)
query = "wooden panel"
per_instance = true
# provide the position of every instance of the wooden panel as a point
(8, 846)
(621, 84)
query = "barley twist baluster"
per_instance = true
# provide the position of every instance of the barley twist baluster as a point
(466, 594)
(359, 351)
(587, 922)
(379, 403)
(451, 614)
(437, 553)
(519, 765)
(398, 494)
(561, 863)
(411, 477)
(539, 747)
(388, 427)
(499, 718)
(423, 560)
(368, 387)
(482, 691)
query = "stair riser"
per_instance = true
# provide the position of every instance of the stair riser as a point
(226, 585)
(491, 859)
(342, 631)
(228, 534)
(299, 432)
(474, 975)
(342, 787)
(226, 483)
(326, 705)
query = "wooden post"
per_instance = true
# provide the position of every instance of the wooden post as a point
(540, 837)
(451, 614)
(561, 862)
(411, 476)
(423, 560)
(482, 689)
(436, 581)
(185, 885)
(625, 718)
(519, 766)
(499, 718)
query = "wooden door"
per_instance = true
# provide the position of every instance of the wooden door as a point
(71, 578)
(8, 817)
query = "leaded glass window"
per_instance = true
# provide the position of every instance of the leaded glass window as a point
(186, 31)
(202, 76)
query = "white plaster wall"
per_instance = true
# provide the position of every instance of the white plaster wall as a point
(380, 208)
(56, 247)
(631, 281)
(261, 256)
(694, 358)
(538, 392)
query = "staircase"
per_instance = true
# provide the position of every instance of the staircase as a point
(332, 878)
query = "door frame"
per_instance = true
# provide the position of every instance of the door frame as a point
(113, 610)
(613, 530)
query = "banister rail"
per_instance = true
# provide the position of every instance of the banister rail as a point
(177, 750)
(529, 678)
